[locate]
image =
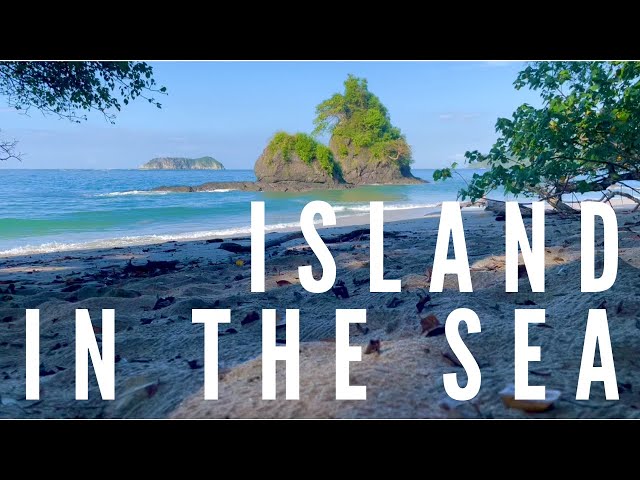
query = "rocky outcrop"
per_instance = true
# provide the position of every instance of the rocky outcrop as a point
(178, 163)
(360, 167)
(281, 186)
(272, 168)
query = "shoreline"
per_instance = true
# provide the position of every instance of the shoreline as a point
(391, 214)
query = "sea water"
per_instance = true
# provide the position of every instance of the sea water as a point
(58, 210)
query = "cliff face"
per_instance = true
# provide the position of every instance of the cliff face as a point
(178, 163)
(360, 166)
(272, 168)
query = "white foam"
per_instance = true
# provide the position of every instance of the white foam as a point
(130, 241)
(218, 190)
(132, 192)
(366, 208)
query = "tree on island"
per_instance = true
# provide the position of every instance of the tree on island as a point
(364, 147)
(356, 119)
(584, 138)
(71, 89)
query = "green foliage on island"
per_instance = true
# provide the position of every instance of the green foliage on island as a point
(305, 147)
(584, 137)
(179, 163)
(357, 117)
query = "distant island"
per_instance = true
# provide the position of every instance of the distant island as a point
(178, 163)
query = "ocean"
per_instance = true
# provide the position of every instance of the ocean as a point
(58, 210)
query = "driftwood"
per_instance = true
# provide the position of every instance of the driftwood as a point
(346, 237)
(499, 207)
(609, 195)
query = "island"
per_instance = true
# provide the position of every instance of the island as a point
(179, 163)
(364, 148)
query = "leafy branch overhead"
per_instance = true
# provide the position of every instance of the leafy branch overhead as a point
(70, 89)
(584, 137)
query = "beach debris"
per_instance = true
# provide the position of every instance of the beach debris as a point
(214, 240)
(526, 302)
(540, 373)
(362, 329)
(7, 319)
(44, 372)
(374, 346)
(146, 321)
(349, 236)
(339, 290)
(251, 317)
(234, 247)
(163, 302)
(620, 306)
(624, 387)
(230, 331)
(394, 302)
(237, 278)
(500, 218)
(451, 358)
(429, 323)
(422, 302)
(522, 270)
(439, 330)
(151, 269)
(239, 263)
(283, 283)
(194, 364)
(507, 395)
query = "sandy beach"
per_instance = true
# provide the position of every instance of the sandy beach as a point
(159, 352)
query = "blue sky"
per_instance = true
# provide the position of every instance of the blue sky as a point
(229, 110)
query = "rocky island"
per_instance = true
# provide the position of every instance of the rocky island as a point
(179, 163)
(365, 148)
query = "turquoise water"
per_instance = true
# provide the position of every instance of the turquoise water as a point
(47, 210)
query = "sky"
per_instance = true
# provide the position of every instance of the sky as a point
(229, 110)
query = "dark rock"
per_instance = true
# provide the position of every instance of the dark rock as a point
(394, 302)
(439, 330)
(273, 168)
(251, 317)
(235, 247)
(340, 290)
(194, 364)
(359, 167)
(373, 347)
(163, 302)
(422, 302)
